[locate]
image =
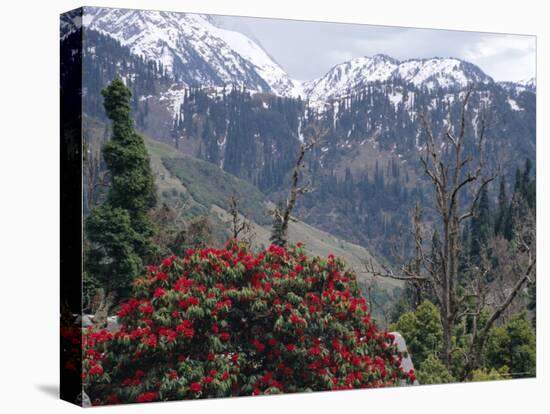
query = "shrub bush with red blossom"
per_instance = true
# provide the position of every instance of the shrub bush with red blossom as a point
(228, 322)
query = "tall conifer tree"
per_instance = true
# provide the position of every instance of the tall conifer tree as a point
(119, 230)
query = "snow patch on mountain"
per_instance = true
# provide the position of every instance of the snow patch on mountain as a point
(514, 105)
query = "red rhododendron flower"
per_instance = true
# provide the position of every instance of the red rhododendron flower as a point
(195, 387)
(147, 397)
(224, 336)
(113, 399)
(147, 309)
(159, 292)
(295, 319)
(161, 276)
(314, 351)
(260, 347)
(170, 334)
(152, 340)
(96, 370)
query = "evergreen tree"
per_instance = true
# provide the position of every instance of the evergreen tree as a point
(528, 187)
(513, 345)
(481, 226)
(433, 371)
(119, 231)
(502, 207)
(422, 331)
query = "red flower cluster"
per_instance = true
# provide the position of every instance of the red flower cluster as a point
(186, 328)
(290, 322)
(195, 387)
(147, 397)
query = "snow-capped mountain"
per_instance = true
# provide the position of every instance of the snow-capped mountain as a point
(447, 73)
(347, 76)
(197, 52)
(193, 48)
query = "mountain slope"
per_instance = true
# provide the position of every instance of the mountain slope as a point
(210, 188)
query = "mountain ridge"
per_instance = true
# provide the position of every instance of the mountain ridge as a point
(200, 53)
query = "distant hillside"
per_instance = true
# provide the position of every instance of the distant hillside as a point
(207, 188)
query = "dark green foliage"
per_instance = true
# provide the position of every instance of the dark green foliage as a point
(523, 201)
(433, 371)
(532, 304)
(119, 231)
(492, 374)
(422, 331)
(112, 258)
(502, 207)
(126, 157)
(513, 345)
(260, 133)
(480, 227)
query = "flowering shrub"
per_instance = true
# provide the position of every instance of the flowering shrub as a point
(226, 322)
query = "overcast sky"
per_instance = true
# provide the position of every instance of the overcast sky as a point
(307, 50)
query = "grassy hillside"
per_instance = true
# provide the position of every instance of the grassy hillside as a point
(208, 188)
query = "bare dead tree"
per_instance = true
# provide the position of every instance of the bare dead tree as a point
(239, 227)
(372, 301)
(452, 174)
(282, 213)
(523, 263)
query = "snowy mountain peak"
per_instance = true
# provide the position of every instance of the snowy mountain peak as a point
(431, 73)
(193, 48)
(345, 77)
